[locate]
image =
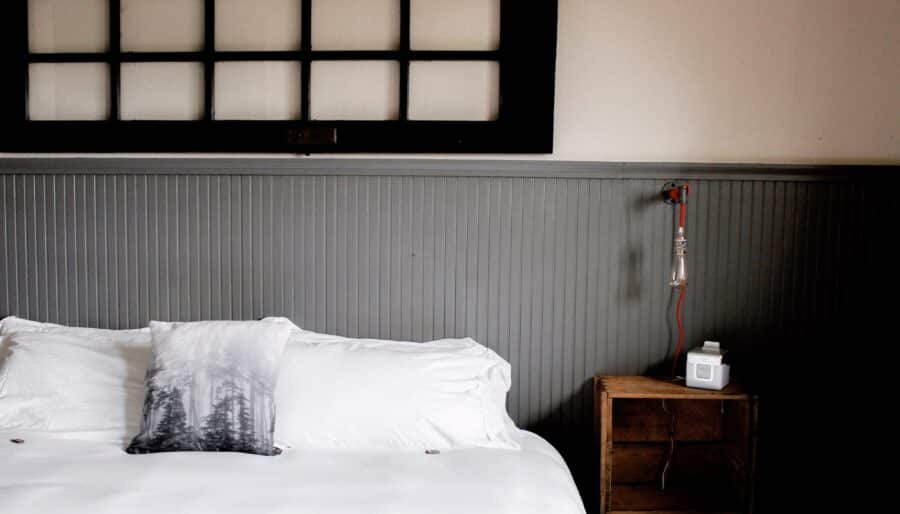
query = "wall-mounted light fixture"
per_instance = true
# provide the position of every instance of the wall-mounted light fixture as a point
(676, 194)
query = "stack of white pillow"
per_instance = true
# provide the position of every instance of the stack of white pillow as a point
(333, 393)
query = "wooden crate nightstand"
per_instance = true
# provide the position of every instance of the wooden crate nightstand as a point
(712, 435)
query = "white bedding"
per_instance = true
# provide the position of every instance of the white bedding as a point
(49, 474)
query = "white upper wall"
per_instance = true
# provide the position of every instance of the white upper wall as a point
(799, 81)
(773, 81)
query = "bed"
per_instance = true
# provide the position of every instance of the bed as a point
(181, 418)
(51, 473)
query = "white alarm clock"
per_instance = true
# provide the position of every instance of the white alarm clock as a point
(705, 369)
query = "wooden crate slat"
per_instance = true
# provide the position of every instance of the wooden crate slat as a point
(650, 497)
(649, 387)
(670, 512)
(640, 419)
(644, 462)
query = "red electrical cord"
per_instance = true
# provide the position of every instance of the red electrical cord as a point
(683, 288)
(678, 346)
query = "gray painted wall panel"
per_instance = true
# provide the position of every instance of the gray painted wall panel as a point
(573, 269)
(564, 275)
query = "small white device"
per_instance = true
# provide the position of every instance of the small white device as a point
(705, 369)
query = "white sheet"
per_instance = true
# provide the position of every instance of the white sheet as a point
(49, 474)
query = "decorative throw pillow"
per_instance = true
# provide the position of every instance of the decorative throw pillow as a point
(210, 387)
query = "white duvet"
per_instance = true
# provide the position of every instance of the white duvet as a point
(49, 474)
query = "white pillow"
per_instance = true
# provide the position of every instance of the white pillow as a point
(79, 381)
(11, 324)
(355, 394)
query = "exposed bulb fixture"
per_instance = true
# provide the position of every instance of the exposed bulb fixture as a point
(677, 194)
(679, 266)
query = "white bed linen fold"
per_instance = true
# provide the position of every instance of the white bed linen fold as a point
(51, 474)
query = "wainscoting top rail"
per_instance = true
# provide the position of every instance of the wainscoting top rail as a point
(438, 167)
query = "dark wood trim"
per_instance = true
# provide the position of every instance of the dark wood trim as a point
(13, 51)
(405, 55)
(525, 124)
(274, 55)
(304, 56)
(115, 63)
(209, 59)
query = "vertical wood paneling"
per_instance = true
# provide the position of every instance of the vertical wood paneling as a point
(564, 277)
(559, 262)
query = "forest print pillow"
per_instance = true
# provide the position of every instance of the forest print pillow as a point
(210, 387)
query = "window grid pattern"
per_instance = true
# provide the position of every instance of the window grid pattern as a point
(114, 57)
(525, 56)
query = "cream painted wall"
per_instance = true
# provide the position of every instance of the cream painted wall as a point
(729, 80)
(789, 81)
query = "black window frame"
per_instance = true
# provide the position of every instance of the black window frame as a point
(526, 57)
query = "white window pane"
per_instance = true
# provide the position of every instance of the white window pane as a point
(162, 25)
(68, 25)
(354, 90)
(69, 91)
(266, 90)
(355, 24)
(454, 90)
(162, 91)
(454, 24)
(258, 24)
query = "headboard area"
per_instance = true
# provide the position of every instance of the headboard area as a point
(560, 267)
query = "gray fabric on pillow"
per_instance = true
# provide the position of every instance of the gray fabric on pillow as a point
(210, 387)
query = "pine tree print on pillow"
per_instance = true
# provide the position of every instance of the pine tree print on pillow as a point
(210, 387)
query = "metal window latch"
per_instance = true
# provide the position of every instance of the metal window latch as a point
(17, 441)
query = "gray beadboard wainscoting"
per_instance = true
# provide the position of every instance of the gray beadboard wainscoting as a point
(562, 268)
